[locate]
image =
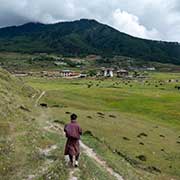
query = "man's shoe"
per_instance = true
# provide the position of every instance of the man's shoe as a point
(76, 164)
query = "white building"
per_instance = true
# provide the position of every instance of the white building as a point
(107, 72)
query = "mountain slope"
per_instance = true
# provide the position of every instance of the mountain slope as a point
(85, 37)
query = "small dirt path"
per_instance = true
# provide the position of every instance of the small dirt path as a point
(72, 175)
(87, 150)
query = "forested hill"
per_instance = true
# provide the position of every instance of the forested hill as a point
(85, 37)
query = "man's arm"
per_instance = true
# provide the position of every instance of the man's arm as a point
(65, 130)
(80, 131)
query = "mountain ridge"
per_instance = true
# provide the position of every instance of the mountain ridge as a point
(84, 37)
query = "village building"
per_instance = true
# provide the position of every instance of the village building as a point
(107, 72)
(19, 73)
(151, 69)
(122, 73)
(65, 73)
(69, 73)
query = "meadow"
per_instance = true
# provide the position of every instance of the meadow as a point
(133, 124)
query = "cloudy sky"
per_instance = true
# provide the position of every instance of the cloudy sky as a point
(151, 19)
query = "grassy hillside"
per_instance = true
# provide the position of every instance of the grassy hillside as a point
(85, 37)
(29, 149)
(20, 135)
(133, 125)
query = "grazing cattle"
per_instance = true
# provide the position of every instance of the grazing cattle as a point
(153, 169)
(24, 108)
(90, 85)
(112, 116)
(141, 143)
(125, 138)
(44, 105)
(156, 127)
(89, 117)
(142, 134)
(101, 117)
(141, 157)
(101, 114)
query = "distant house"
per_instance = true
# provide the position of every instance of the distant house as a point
(107, 72)
(122, 73)
(69, 73)
(151, 69)
(66, 73)
(20, 74)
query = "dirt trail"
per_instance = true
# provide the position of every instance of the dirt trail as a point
(38, 99)
(72, 173)
(87, 150)
(59, 129)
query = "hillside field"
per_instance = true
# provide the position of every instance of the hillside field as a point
(133, 125)
(29, 149)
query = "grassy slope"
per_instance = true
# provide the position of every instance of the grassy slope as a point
(20, 135)
(140, 108)
(23, 137)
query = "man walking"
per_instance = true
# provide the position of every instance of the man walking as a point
(73, 133)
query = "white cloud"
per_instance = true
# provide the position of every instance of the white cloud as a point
(143, 18)
(130, 24)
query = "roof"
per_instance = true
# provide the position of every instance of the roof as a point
(66, 71)
(122, 71)
(106, 69)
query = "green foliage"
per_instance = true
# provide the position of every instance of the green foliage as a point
(92, 72)
(80, 38)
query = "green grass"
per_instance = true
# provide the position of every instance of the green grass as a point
(23, 136)
(20, 132)
(141, 108)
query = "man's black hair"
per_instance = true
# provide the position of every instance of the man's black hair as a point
(73, 116)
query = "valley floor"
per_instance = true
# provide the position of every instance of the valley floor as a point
(132, 126)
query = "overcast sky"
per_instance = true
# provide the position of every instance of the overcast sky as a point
(151, 19)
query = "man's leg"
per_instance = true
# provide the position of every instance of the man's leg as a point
(76, 162)
(71, 159)
(77, 157)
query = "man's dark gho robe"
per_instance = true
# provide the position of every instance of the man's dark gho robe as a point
(73, 133)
